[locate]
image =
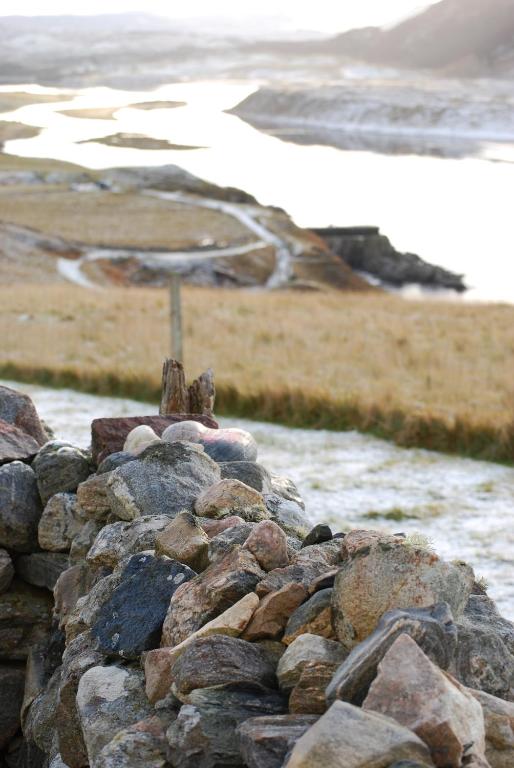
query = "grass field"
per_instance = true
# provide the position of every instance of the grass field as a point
(431, 374)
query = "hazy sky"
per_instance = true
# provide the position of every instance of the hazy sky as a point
(325, 15)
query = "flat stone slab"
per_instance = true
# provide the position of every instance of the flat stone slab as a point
(108, 435)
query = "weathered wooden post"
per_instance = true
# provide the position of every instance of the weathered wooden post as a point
(177, 352)
(177, 397)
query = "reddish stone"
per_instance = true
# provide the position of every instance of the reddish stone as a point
(213, 527)
(15, 444)
(272, 615)
(109, 435)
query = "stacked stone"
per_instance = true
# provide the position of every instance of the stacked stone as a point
(197, 622)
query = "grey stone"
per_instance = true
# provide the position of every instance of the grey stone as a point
(266, 741)
(142, 745)
(41, 569)
(305, 649)
(208, 595)
(313, 617)
(60, 467)
(83, 541)
(204, 734)
(226, 541)
(167, 478)
(18, 409)
(433, 630)
(285, 487)
(130, 620)
(288, 514)
(60, 522)
(20, 507)
(219, 660)
(72, 584)
(6, 570)
(113, 461)
(348, 737)
(78, 657)
(108, 700)
(25, 619)
(39, 725)
(120, 539)
(12, 683)
(383, 573)
(248, 472)
(485, 652)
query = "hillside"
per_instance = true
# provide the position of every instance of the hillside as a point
(466, 37)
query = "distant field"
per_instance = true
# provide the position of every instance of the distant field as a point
(116, 220)
(430, 374)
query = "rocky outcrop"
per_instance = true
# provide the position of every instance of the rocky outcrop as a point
(244, 638)
(366, 250)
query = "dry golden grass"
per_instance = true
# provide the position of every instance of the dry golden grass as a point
(116, 220)
(434, 374)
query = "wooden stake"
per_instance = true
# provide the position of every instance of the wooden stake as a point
(177, 397)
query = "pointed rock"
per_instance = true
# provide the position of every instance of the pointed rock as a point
(433, 630)
(271, 616)
(410, 689)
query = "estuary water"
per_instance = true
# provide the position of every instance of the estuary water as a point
(452, 211)
(349, 480)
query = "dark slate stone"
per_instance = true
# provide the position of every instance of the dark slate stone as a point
(113, 461)
(307, 613)
(60, 467)
(42, 569)
(20, 507)
(131, 620)
(433, 630)
(485, 652)
(219, 660)
(204, 734)
(317, 535)
(25, 754)
(266, 741)
(248, 472)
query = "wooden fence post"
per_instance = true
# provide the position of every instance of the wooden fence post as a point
(177, 352)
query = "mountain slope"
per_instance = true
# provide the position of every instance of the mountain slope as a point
(459, 36)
